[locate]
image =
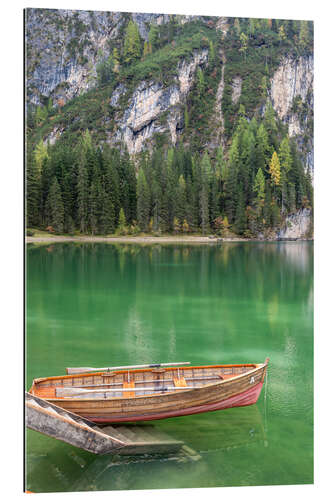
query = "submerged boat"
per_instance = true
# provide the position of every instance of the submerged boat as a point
(128, 394)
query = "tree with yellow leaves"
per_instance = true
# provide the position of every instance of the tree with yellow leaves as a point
(274, 169)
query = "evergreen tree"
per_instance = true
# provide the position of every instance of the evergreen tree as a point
(243, 38)
(107, 221)
(303, 35)
(93, 208)
(82, 194)
(122, 228)
(259, 188)
(211, 56)
(285, 167)
(56, 207)
(240, 224)
(201, 81)
(143, 201)
(153, 36)
(111, 180)
(267, 211)
(33, 191)
(132, 43)
(180, 200)
(116, 60)
(263, 150)
(40, 155)
(231, 184)
(204, 192)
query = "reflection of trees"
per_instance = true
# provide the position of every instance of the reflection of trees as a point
(163, 299)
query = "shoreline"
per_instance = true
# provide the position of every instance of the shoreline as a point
(145, 239)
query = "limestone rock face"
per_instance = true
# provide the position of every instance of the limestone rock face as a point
(143, 117)
(236, 89)
(63, 48)
(292, 98)
(293, 78)
(297, 225)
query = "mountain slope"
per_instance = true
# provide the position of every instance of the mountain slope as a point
(147, 82)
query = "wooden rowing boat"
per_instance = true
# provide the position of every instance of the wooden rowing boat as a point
(153, 393)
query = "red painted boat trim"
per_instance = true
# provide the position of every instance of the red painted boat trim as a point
(245, 398)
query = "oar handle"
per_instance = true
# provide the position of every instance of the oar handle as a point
(85, 369)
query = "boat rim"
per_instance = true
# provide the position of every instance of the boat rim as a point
(258, 366)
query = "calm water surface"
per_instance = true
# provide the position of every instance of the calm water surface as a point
(102, 304)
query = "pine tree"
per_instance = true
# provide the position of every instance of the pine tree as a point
(231, 184)
(243, 38)
(153, 36)
(282, 34)
(40, 155)
(201, 81)
(204, 192)
(303, 35)
(36, 163)
(93, 212)
(186, 117)
(270, 122)
(240, 223)
(263, 150)
(180, 200)
(132, 43)
(237, 25)
(143, 201)
(82, 195)
(145, 49)
(285, 166)
(259, 188)
(116, 60)
(107, 220)
(56, 207)
(122, 227)
(211, 56)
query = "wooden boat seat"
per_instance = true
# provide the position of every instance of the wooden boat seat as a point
(180, 382)
(45, 392)
(128, 385)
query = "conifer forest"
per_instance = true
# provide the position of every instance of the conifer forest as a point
(170, 126)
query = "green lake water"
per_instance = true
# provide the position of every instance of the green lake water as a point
(104, 304)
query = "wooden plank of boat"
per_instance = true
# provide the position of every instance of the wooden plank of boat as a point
(234, 385)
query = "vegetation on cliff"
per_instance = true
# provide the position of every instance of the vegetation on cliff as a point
(81, 183)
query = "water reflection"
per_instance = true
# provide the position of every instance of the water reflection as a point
(76, 470)
(108, 304)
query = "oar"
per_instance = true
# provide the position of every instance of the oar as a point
(71, 391)
(75, 371)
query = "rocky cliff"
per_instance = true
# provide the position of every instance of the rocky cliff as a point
(297, 225)
(237, 90)
(64, 48)
(291, 94)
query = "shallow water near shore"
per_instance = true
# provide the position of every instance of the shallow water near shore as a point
(96, 304)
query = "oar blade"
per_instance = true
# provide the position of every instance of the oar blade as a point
(82, 369)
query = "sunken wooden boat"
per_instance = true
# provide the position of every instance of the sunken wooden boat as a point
(156, 392)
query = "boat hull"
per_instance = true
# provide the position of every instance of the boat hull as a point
(246, 398)
(240, 390)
